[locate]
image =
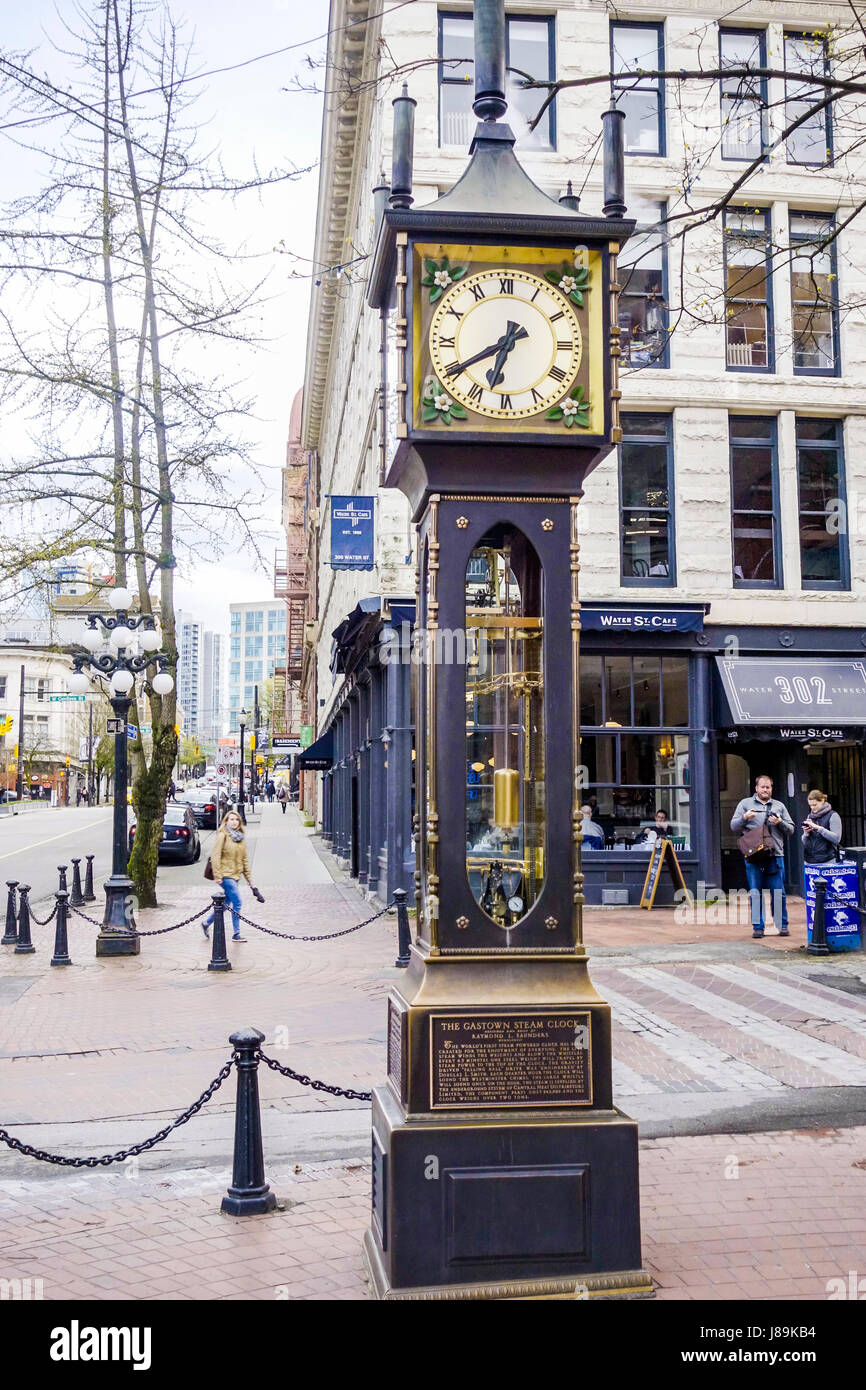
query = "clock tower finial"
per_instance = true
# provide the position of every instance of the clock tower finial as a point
(490, 102)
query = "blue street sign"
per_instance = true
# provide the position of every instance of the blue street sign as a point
(351, 533)
(842, 916)
(131, 731)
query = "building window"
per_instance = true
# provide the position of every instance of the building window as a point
(634, 718)
(529, 49)
(235, 622)
(253, 647)
(277, 644)
(748, 318)
(636, 48)
(643, 299)
(812, 141)
(744, 98)
(234, 670)
(646, 490)
(820, 476)
(254, 620)
(814, 295)
(235, 646)
(755, 530)
(276, 620)
(3, 687)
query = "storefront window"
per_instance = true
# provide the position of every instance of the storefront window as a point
(505, 797)
(627, 772)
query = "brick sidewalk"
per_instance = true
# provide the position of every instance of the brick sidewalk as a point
(759, 1216)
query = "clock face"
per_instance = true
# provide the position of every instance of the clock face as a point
(505, 343)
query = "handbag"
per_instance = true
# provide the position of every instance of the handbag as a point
(208, 869)
(757, 845)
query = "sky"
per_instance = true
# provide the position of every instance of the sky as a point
(249, 116)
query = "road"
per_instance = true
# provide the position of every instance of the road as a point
(34, 843)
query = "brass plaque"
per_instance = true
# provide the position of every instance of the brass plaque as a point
(507, 1060)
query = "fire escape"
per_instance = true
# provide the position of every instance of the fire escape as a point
(290, 583)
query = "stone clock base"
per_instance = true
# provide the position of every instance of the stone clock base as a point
(496, 1205)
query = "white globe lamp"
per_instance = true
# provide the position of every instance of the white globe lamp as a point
(120, 598)
(78, 683)
(92, 638)
(149, 638)
(119, 637)
(121, 682)
(163, 683)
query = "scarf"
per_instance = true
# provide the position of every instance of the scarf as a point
(236, 835)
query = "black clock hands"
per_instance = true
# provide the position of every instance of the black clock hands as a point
(501, 347)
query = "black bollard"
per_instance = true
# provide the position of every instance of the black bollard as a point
(249, 1194)
(89, 895)
(77, 897)
(10, 936)
(62, 886)
(219, 959)
(404, 935)
(24, 946)
(818, 945)
(61, 939)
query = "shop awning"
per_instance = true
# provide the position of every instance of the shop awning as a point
(355, 633)
(799, 696)
(319, 756)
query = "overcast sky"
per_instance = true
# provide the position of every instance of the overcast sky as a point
(249, 116)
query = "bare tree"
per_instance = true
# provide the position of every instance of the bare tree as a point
(114, 295)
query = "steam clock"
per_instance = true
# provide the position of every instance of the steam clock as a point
(501, 1168)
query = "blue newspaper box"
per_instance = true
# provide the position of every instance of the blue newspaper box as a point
(842, 916)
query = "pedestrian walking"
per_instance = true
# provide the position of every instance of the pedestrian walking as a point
(762, 824)
(822, 830)
(283, 796)
(271, 790)
(229, 862)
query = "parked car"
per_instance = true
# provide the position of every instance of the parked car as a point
(180, 843)
(207, 805)
(8, 794)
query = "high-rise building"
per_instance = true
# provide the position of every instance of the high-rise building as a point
(189, 675)
(257, 643)
(212, 674)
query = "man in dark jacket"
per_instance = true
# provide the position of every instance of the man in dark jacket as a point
(752, 810)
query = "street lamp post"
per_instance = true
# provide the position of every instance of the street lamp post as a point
(242, 721)
(133, 646)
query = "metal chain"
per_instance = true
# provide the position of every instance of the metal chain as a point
(92, 920)
(50, 918)
(158, 931)
(329, 936)
(94, 1161)
(308, 1080)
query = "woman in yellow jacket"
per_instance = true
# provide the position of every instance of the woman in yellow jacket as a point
(229, 862)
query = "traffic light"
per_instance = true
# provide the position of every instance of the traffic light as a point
(68, 761)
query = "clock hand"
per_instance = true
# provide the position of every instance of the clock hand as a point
(494, 376)
(508, 337)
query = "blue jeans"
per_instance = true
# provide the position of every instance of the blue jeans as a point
(233, 897)
(772, 877)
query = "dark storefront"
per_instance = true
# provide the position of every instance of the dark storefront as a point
(659, 731)
(365, 748)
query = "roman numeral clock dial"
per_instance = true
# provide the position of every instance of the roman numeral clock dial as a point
(505, 344)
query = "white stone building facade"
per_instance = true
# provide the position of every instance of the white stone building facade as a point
(739, 492)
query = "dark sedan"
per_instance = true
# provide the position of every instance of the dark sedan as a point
(207, 805)
(180, 843)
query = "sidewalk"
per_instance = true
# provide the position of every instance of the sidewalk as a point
(712, 1033)
(718, 1222)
